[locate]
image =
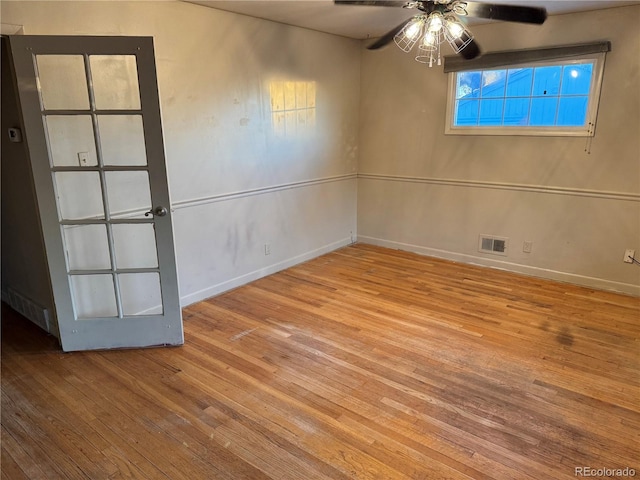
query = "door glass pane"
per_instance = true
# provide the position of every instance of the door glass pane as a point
(87, 247)
(71, 141)
(140, 293)
(128, 194)
(135, 245)
(93, 296)
(79, 195)
(63, 82)
(122, 140)
(115, 82)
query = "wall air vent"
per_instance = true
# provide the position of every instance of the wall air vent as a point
(492, 244)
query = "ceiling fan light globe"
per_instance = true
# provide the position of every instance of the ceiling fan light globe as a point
(406, 38)
(455, 29)
(456, 34)
(435, 22)
(413, 31)
(429, 40)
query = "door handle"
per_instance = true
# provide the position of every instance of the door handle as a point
(159, 211)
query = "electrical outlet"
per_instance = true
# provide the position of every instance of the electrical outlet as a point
(267, 249)
(527, 246)
(629, 255)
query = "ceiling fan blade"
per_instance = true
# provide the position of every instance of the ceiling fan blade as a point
(372, 3)
(471, 51)
(508, 13)
(388, 37)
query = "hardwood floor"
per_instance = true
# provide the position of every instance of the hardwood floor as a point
(365, 363)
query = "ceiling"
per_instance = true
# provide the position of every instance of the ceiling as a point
(361, 22)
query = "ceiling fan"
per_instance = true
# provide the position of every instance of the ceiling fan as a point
(439, 20)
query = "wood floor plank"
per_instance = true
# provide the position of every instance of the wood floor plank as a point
(365, 363)
(16, 463)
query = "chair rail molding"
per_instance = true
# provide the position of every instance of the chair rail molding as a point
(578, 192)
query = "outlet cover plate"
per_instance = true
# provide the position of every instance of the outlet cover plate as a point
(629, 255)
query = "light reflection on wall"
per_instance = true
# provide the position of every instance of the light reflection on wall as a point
(293, 107)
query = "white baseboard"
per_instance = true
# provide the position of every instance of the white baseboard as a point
(263, 272)
(585, 281)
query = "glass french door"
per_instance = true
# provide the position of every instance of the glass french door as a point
(93, 131)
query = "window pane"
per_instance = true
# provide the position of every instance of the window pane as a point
(115, 82)
(493, 82)
(122, 140)
(546, 80)
(572, 111)
(87, 247)
(135, 245)
(491, 112)
(543, 111)
(516, 111)
(93, 296)
(576, 79)
(128, 194)
(141, 293)
(79, 195)
(468, 84)
(71, 141)
(467, 112)
(63, 82)
(519, 82)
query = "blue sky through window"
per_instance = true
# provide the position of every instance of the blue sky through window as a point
(542, 96)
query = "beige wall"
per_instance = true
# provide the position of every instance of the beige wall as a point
(236, 182)
(581, 210)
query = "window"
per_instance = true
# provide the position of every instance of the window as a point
(554, 97)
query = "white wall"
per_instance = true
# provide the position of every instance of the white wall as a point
(236, 182)
(424, 191)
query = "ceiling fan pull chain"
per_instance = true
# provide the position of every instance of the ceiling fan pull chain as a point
(590, 130)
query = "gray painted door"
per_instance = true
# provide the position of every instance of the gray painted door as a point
(94, 135)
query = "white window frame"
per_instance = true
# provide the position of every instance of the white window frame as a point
(588, 130)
